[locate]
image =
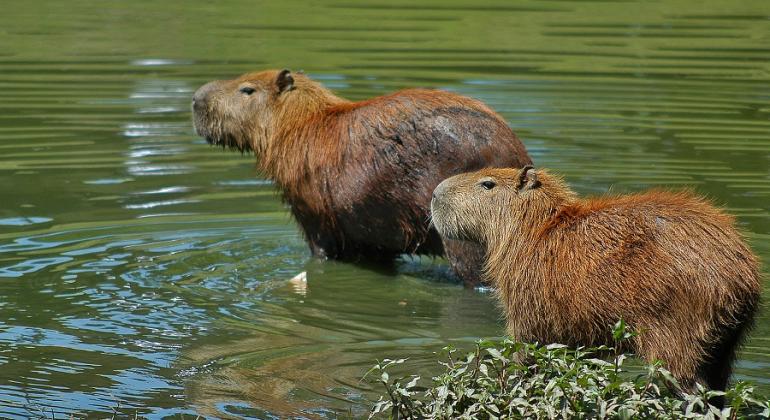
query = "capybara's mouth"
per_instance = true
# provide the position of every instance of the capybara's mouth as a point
(438, 219)
(226, 140)
(217, 133)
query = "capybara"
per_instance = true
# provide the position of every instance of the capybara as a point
(359, 175)
(566, 268)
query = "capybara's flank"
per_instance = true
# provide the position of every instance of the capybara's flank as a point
(566, 268)
(359, 175)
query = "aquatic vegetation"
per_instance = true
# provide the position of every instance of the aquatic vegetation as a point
(510, 379)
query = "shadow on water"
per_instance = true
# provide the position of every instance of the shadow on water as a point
(141, 268)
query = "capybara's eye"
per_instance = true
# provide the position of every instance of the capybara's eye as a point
(247, 90)
(488, 185)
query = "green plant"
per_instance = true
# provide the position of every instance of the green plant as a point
(510, 379)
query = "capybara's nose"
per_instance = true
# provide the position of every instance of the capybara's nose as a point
(199, 99)
(440, 189)
(201, 95)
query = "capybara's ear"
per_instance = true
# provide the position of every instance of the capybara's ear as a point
(284, 81)
(528, 178)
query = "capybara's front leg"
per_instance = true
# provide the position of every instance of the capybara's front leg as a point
(322, 245)
(466, 259)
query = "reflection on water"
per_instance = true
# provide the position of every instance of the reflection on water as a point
(143, 271)
(325, 343)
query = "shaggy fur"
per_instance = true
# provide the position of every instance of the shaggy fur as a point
(565, 268)
(359, 175)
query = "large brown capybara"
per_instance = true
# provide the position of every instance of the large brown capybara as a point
(359, 175)
(566, 268)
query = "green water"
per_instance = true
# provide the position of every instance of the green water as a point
(142, 270)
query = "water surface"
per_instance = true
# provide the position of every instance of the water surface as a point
(142, 270)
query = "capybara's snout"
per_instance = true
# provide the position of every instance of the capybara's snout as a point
(440, 198)
(442, 209)
(441, 189)
(201, 96)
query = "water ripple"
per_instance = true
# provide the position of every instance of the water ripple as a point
(141, 268)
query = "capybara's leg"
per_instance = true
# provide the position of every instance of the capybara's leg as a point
(466, 259)
(681, 354)
(715, 376)
(715, 373)
(318, 250)
(321, 245)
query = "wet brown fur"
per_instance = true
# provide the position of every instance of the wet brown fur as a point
(359, 175)
(566, 268)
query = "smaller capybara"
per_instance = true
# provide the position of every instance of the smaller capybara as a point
(566, 268)
(359, 175)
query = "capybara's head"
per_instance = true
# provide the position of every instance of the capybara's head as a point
(491, 203)
(244, 113)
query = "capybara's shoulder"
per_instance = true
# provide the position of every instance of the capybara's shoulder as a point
(639, 211)
(682, 204)
(414, 103)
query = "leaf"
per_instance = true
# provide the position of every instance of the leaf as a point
(555, 346)
(381, 406)
(496, 354)
(620, 359)
(624, 413)
(618, 330)
(483, 369)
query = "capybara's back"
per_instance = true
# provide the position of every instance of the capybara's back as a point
(669, 263)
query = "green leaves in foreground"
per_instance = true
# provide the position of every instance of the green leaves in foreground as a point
(516, 380)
